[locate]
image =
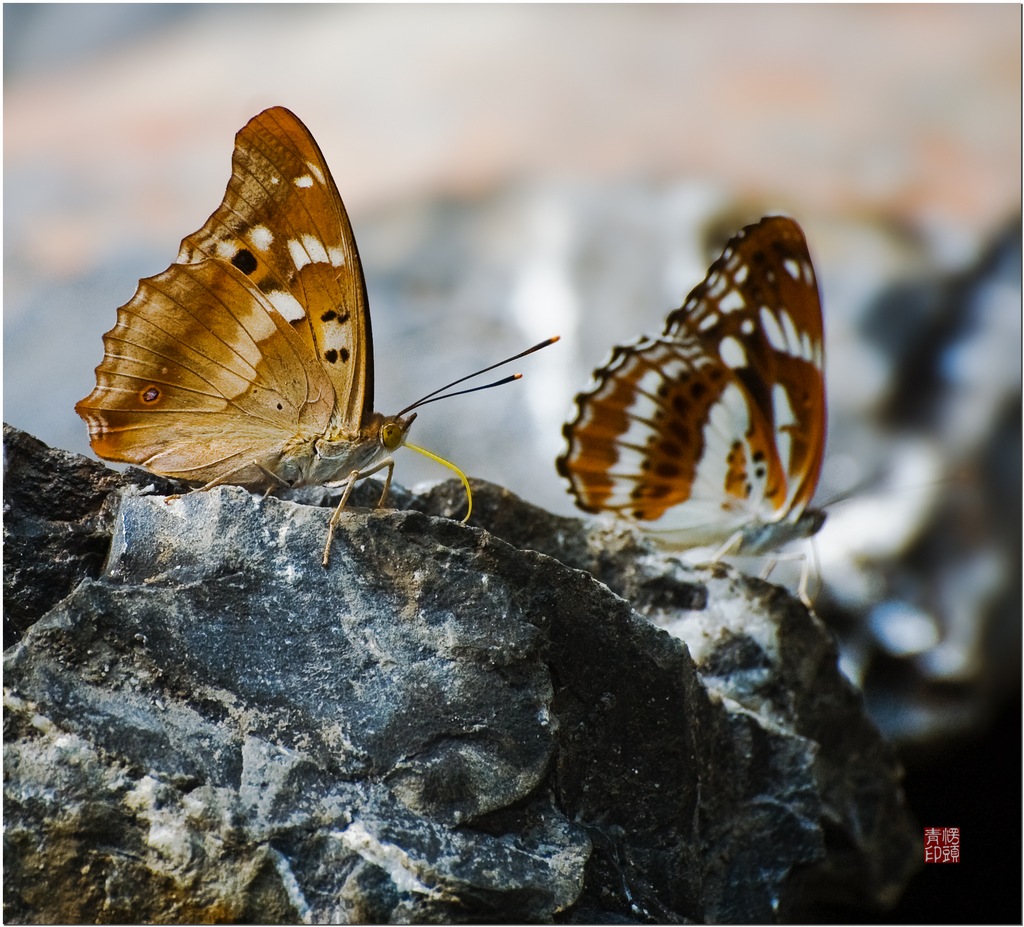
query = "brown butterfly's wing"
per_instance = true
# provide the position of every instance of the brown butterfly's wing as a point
(720, 421)
(202, 379)
(283, 225)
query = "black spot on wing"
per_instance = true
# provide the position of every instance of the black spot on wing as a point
(244, 261)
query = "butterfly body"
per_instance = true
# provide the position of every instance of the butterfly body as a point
(714, 430)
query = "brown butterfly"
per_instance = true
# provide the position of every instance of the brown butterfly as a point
(249, 361)
(714, 430)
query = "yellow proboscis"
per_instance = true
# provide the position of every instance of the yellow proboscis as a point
(452, 467)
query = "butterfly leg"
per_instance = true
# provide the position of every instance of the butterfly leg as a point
(729, 547)
(274, 482)
(336, 515)
(801, 590)
(805, 573)
(805, 576)
(390, 464)
(350, 483)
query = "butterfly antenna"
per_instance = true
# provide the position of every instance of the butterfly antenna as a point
(436, 394)
(870, 485)
(442, 394)
(428, 399)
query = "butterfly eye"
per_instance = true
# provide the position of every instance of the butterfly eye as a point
(391, 435)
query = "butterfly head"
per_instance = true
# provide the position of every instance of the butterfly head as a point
(394, 430)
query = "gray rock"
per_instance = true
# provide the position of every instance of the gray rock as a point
(450, 724)
(56, 525)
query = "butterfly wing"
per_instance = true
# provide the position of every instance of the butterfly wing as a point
(759, 311)
(283, 225)
(720, 421)
(202, 379)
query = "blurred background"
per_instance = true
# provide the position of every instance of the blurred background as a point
(513, 172)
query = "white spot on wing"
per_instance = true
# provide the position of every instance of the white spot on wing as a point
(732, 301)
(732, 353)
(309, 251)
(287, 305)
(806, 347)
(304, 181)
(261, 237)
(783, 417)
(299, 256)
(783, 410)
(316, 172)
(792, 268)
(792, 335)
(770, 326)
(587, 416)
(631, 462)
(728, 421)
(643, 408)
(315, 249)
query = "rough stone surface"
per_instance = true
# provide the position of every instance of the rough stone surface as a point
(773, 667)
(56, 524)
(450, 724)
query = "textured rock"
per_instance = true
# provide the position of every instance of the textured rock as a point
(56, 525)
(790, 718)
(449, 724)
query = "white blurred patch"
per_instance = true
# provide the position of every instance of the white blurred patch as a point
(543, 302)
(903, 629)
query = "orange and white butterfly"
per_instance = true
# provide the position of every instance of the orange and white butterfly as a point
(714, 431)
(249, 361)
